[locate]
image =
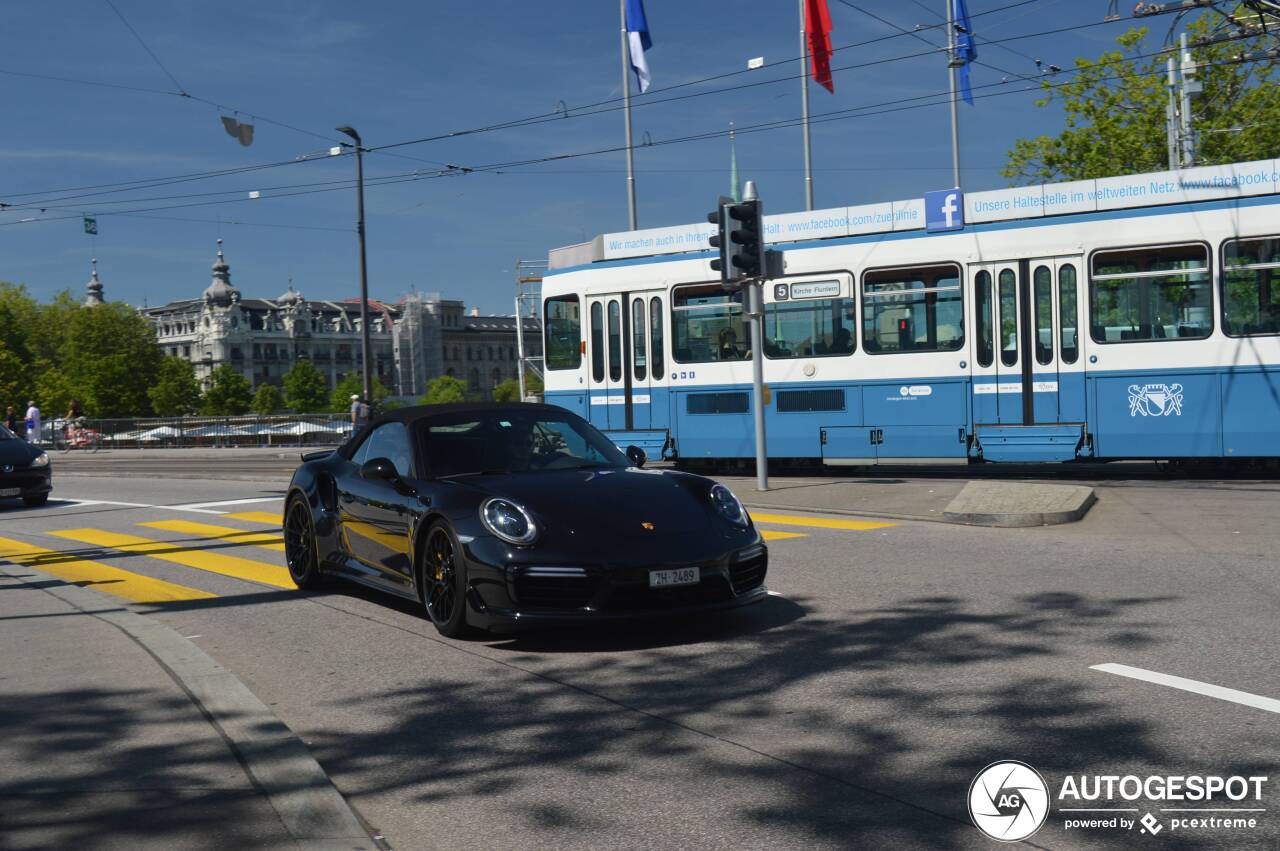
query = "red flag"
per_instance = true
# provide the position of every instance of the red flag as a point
(817, 28)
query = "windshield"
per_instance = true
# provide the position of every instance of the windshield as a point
(514, 442)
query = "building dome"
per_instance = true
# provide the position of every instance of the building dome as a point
(220, 291)
(290, 297)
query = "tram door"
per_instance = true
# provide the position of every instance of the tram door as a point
(1028, 349)
(625, 347)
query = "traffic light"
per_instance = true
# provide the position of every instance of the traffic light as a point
(740, 241)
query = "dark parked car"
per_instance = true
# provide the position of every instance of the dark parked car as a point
(24, 470)
(500, 515)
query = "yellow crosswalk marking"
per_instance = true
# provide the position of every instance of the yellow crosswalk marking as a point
(221, 533)
(818, 522)
(240, 568)
(775, 535)
(268, 517)
(101, 577)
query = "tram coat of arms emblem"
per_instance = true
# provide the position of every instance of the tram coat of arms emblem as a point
(1155, 400)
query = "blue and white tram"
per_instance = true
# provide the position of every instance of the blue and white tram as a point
(1146, 326)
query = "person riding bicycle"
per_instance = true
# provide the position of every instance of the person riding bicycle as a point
(75, 420)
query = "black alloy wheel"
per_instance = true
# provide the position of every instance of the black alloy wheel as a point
(441, 575)
(300, 546)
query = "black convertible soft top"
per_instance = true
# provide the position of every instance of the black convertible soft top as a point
(419, 413)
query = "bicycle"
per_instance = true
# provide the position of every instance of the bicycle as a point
(81, 437)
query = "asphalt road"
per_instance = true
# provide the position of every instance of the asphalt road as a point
(852, 709)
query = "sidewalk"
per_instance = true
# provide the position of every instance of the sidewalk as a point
(101, 747)
(890, 498)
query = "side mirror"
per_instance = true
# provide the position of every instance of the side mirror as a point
(379, 469)
(636, 455)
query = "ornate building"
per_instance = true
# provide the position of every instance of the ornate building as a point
(411, 342)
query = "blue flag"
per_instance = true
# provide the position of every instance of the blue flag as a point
(966, 50)
(639, 41)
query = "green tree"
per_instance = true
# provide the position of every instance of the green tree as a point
(18, 312)
(267, 400)
(444, 390)
(229, 393)
(176, 391)
(353, 383)
(1115, 111)
(507, 391)
(109, 356)
(304, 388)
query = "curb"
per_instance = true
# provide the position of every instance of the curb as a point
(980, 504)
(310, 807)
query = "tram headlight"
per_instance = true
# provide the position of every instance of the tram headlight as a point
(728, 506)
(508, 521)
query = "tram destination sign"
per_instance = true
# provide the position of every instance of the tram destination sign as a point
(816, 289)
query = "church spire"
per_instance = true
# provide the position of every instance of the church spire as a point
(94, 287)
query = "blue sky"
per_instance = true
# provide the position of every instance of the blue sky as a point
(399, 70)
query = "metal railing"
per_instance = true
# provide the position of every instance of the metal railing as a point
(195, 431)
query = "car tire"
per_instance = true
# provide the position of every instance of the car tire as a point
(35, 500)
(301, 553)
(442, 581)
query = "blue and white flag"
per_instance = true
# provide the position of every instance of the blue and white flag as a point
(966, 50)
(639, 41)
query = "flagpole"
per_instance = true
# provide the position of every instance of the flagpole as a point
(804, 106)
(626, 119)
(955, 115)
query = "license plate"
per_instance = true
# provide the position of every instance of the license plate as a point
(670, 578)
(10, 491)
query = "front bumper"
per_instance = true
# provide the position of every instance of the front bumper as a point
(509, 597)
(29, 481)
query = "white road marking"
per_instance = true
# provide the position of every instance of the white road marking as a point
(191, 506)
(1195, 686)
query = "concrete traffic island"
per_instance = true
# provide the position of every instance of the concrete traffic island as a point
(1015, 504)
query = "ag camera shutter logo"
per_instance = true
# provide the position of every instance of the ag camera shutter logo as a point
(1008, 801)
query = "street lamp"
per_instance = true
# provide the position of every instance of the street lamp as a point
(364, 274)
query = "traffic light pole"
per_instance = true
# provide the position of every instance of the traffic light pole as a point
(755, 310)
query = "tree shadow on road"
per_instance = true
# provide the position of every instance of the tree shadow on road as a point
(845, 729)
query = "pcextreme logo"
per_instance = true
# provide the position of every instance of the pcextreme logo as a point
(1009, 801)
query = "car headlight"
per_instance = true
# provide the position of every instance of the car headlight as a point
(728, 506)
(508, 520)
(41, 460)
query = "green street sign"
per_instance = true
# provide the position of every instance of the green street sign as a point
(91, 225)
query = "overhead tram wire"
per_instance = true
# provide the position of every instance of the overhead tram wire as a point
(937, 47)
(867, 111)
(149, 51)
(573, 112)
(833, 115)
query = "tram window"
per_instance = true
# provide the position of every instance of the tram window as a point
(563, 323)
(639, 362)
(655, 335)
(1042, 297)
(597, 342)
(615, 341)
(1251, 287)
(912, 310)
(1008, 318)
(982, 312)
(809, 329)
(707, 325)
(1160, 293)
(1068, 314)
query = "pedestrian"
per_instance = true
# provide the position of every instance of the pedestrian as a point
(33, 423)
(14, 423)
(359, 412)
(74, 420)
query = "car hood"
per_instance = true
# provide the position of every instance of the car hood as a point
(610, 504)
(19, 453)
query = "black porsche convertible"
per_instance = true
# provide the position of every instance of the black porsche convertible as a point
(496, 516)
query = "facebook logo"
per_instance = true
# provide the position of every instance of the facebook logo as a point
(944, 210)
